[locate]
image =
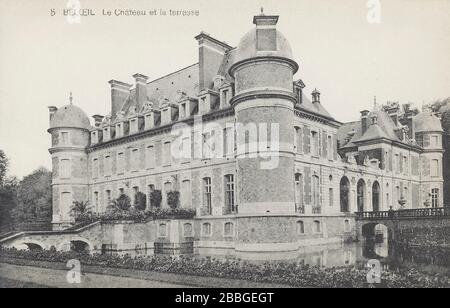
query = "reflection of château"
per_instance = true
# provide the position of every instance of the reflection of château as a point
(325, 170)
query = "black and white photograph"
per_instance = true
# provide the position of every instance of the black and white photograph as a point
(224, 150)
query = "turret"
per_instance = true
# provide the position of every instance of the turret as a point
(264, 103)
(429, 134)
(70, 131)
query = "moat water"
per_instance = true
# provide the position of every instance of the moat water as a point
(351, 254)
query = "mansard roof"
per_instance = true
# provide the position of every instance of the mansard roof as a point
(385, 128)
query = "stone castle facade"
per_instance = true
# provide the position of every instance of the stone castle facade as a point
(297, 183)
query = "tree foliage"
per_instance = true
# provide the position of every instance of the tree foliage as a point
(34, 197)
(123, 203)
(3, 167)
(443, 107)
(155, 198)
(80, 208)
(173, 199)
(140, 201)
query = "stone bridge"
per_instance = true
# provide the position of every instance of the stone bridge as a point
(85, 238)
(406, 225)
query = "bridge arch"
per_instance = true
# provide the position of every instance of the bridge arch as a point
(369, 230)
(29, 244)
(77, 244)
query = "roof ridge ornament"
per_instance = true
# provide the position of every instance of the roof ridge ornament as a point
(71, 98)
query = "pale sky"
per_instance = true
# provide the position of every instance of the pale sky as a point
(404, 58)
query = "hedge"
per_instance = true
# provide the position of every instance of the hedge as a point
(292, 274)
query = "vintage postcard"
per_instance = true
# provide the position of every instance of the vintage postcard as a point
(232, 144)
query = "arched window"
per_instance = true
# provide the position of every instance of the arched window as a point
(361, 191)
(206, 229)
(228, 229)
(317, 226)
(376, 197)
(187, 230)
(347, 226)
(345, 195)
(300, 227)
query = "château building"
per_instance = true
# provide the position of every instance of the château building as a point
(263, 163)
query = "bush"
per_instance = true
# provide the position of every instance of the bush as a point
(155, 198)
(173, 199)
(140, 201)
(80, 208)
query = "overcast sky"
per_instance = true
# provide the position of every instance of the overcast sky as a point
(404, 58)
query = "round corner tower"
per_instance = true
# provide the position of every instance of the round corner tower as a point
(263, 72)
(69, 128)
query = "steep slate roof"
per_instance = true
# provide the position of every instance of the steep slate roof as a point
(385, 128)
(307, 105)
(186, 80)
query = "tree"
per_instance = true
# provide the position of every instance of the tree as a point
(8, 200)
(80, 208)
(140, 201)
(173, 199)
(443, 106)
(123, 203)
(34, 196)
(3, 167)
(155, 198)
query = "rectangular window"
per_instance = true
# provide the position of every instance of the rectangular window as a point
(207, 196)
(330, 150)
(405, 165)
(315, 144)
(108, 168)
(186, 150)
(96, 201)
(150, 157)
(135, 159)
(228, 143)
(228, 229)
(229, 193)
(183, 111)
(121, 163)
(95, 168)
(166, 156)
(108, 198)
(331, 196)
(435, 167)
(186, 194)
(64, 138)
(435, 141)
(65, 168)
(299, 192)
(206, 229)
(66, 204)
(150, 189)
(435, 197)
(207, 145)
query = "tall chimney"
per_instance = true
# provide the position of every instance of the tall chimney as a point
(266, 32)
(51, 111)
(97, 120)
(315, 96)
(119, 93)
(141, 90)
(364, 121)
(210, 54)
